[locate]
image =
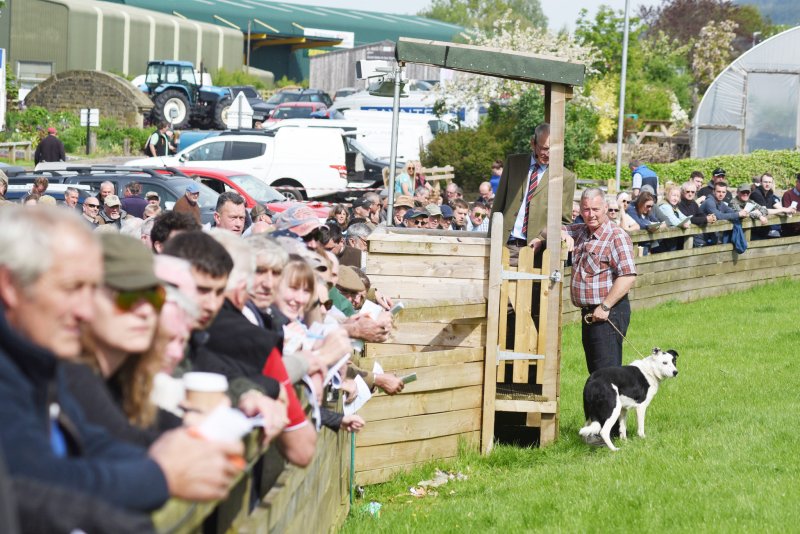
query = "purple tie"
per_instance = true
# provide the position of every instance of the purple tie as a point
(531, 188)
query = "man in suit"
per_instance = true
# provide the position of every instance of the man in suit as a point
(522, 194)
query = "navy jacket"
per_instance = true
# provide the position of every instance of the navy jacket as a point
(96, 463)
(134, 206)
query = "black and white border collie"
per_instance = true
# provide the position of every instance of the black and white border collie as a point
(610, 392)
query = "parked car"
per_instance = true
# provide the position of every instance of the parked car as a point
(295, 110)
(170, 184)
(260, 108)
(253, 190)
(299, 95)
(18, 190)
(10, 169)
(302, 164)
(344, 91)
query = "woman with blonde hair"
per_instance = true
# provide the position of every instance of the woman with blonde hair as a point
(122, 346)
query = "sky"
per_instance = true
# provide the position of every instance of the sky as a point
(559, 13)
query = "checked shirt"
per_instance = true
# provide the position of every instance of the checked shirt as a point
(598, 259)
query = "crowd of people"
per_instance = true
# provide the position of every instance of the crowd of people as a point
(697, 203)
(109, 305)
(103, 323)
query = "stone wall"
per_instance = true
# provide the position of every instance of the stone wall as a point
(74, 90)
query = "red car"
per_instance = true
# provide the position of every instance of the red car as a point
(295, 110)
(253, 190)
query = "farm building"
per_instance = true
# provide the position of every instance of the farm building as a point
(754, 103)
(90, 35)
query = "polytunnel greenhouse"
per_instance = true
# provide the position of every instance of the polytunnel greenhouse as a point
(754, 103)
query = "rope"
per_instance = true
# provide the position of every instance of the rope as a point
(588, 319)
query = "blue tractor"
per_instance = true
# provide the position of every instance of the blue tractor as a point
(180, 100)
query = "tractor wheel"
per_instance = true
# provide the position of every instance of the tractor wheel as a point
(172, 100)
(221, 113)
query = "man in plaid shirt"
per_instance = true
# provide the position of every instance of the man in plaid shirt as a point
(603, 271)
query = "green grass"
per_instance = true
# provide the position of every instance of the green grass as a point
(721, 452)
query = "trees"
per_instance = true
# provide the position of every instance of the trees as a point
(482, 14)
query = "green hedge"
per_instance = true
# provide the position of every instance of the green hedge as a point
(783, 165)
(31, 124)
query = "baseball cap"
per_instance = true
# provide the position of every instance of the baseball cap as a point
(433, 210)
(744, 187)
(404, 201)
(719, 171)
(299, 219)
(362, 202)
(414, 214)
(51, 130)
(112, 200)
(447, 211)
(127, 263)
(193, 187)
(151, 194)
(349, 280)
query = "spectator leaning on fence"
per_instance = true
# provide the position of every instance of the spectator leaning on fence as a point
(791, 199)
(46, 287)
(741, 201)
(688, 207)
(716, 205)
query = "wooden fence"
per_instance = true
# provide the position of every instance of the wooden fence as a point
(442, 277)
(288, 498)
(441, 335)
(697, 273)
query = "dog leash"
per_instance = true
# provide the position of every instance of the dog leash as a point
(588, 319)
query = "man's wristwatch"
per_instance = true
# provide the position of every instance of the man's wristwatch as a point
(604, 307)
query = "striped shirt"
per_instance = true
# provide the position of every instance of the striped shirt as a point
(598, 259)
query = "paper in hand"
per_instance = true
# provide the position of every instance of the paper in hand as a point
(363, 395)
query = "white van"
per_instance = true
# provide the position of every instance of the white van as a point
(303, 163)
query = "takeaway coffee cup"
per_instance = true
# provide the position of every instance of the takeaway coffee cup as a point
(205, 391)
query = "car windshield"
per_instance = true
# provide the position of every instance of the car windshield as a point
(293, 112)
(282, 97)
(257, 189)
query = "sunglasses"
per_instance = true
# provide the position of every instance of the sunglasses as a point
(420, 222)
(612, 210)
(690, 192)
(127, 300)
(744, 192)
(328, 304)
(479, 215)
(93, 206)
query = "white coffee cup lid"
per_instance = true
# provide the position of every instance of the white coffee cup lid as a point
(208, 382)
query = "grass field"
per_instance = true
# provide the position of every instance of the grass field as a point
(721, 453)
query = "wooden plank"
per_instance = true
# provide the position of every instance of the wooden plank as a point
(410, 360)
(435, 249)
(507, 405)
(445, 377)
(420, 427)
(714, 281)
(376, 350)
(452, 335)
(400, 287)
(400, 236)
(376, 476)
(525, 334)
(552, 334)
(412, 452)
(502, 329)
(540, 347)
(444, 313)
(474, 267)
(409, 404)
(496, 307)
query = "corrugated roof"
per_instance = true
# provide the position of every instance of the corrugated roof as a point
(281, 19)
